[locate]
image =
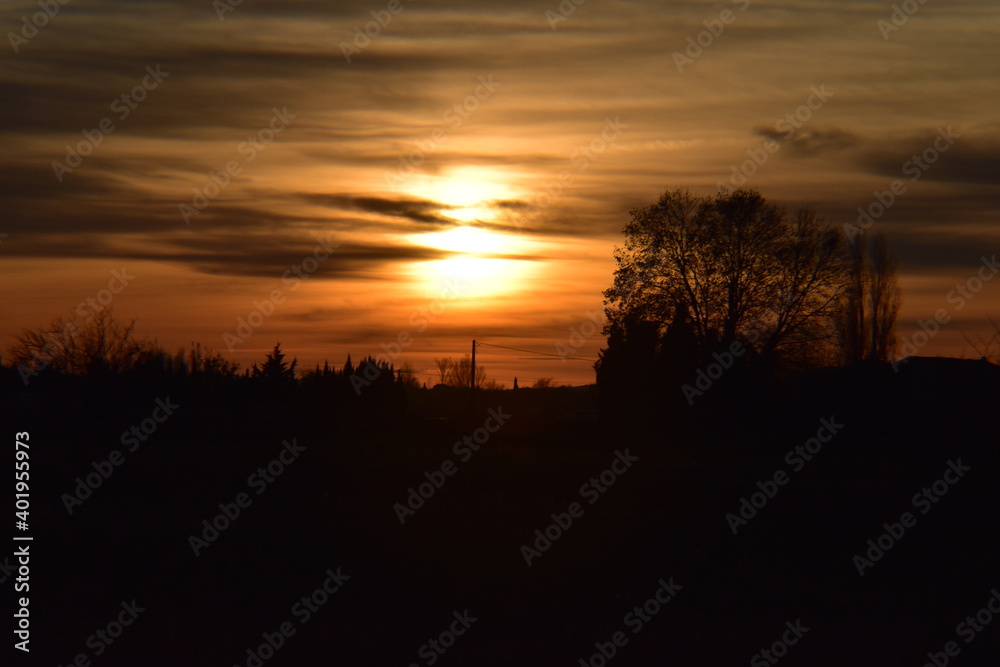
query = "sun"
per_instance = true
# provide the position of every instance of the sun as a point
(466, 194)
(464, 191)
(484, 263)
(470, 240)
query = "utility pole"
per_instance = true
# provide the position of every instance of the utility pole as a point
(472, 379)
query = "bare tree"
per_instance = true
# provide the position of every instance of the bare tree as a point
(407, 374)
(206, 361)
(868, 308)
(986, 347)
(100, 344)
(884, 299)
(852, 316)
(442, 365)
(460, 372)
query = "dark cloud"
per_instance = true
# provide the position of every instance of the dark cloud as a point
(417, 210)
(257, 255)
(971, 158)
(811, 141)
(326, 173)
(942, 253)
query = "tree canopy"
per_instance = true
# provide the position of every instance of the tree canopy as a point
(730, 268)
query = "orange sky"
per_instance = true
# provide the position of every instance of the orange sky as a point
(477, 160)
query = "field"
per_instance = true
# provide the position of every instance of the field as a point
(626, 510)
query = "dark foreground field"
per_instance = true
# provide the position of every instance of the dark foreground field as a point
(660, 529)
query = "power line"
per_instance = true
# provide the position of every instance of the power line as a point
(547, 354)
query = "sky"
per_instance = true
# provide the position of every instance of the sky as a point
(402, 177)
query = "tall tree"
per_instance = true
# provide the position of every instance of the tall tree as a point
(442, 366)
(868, 308)
(738, 268)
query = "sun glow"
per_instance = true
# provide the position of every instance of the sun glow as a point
(470, 240)
(485, 263)
(465, 194)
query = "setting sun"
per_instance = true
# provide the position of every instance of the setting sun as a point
(466, 194)
(469, 240)
(481, 262)
(513, 320)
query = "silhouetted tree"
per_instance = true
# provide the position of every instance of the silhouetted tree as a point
(986, 348)
(625, 368)
(460, 372)
(206, 361)
(98, 345)
(742, 269)
(442, 367)
(868, 308)
(406, 375)
(275, 369)
(678, 353)
(374, 383)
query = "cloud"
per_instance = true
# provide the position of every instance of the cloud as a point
(971, 158)
(810, 141)
(326, 172)
(422, 211)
